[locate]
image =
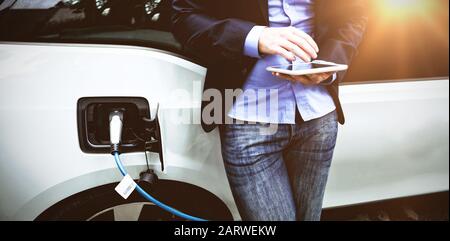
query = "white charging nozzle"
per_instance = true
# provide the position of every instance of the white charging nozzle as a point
(115, 129)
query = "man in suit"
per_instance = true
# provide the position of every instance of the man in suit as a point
(281, 175)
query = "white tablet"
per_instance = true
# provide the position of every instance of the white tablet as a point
(315, 67)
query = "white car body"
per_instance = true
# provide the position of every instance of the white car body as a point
(395, 142)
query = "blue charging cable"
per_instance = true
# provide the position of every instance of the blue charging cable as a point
(152, 199)
(115, 136)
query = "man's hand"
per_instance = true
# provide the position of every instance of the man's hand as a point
(288, 42)
(314, 79)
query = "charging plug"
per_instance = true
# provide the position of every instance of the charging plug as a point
(115, 130)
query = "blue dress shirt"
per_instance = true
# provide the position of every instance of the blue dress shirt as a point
(269, 99)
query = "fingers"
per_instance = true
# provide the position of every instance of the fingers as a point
(308, 38)
(288, 42)
(305, 79)
(302, 79)
(304, 42)
(284, 53)
(304, 45)
(295, 49)
(318, 78)
(313, 79)
(324, 76)
(283, 76)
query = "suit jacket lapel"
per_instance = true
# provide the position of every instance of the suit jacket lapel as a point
(264, 7)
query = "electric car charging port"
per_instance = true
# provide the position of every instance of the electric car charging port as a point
(139, 132)
(117, 116)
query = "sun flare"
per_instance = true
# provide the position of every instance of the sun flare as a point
(403, 9)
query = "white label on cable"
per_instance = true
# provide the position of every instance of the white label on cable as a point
(126, 186)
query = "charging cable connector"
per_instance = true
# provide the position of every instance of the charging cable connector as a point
(115, 130)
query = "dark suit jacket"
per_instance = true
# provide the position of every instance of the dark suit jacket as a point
(215, 31)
